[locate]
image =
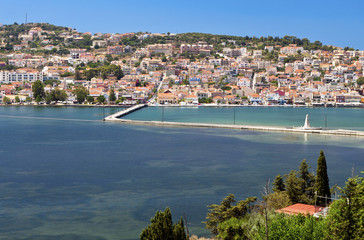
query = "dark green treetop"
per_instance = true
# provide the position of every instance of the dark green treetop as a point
(38, 89)
(278, 184)
(322, 187)
(162, 227)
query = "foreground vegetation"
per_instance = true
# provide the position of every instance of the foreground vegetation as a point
(252, 219)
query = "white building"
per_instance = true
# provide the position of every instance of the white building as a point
(21, 75)
(100, 43)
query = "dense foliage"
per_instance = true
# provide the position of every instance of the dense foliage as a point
(81, 94)
(249, 219)
(56, 95)
(104, 72)
(228, 208)
(291, 227)
(230, 41)
(346, 215)
(162, 227)
(38, 90)
(301, 186)
(360, 81)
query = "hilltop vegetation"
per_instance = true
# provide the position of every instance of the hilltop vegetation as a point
(11, 34)
(231, 41)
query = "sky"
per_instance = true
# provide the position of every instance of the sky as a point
(338, 23)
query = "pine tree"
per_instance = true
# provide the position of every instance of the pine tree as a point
(322, 187)
(307, 181)
(229, 208)
(346, 215)
(293, 186)
(278, 184)
(161, 227)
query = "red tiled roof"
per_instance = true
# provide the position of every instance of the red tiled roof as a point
(300, 208)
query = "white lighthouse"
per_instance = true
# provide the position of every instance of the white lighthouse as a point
(307, 123)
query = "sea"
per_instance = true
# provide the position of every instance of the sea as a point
(65, 174)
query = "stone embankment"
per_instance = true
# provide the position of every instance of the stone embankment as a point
(117, 117)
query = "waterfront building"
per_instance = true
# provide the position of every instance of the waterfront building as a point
(21, 75)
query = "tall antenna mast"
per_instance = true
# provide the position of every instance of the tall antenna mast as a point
(26, 18)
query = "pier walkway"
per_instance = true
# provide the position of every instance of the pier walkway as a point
(118, 115)
(117, 118)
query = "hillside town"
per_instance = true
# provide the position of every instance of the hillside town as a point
(173, 69)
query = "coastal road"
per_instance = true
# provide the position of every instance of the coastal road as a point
(154, 98)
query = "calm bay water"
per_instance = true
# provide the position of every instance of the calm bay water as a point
(96, 180)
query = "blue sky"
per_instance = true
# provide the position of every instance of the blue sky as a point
(340, 23)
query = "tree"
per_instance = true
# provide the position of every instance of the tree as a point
(89, 74)
(90, 99)
(77, 75)
(322, 187)
(278, 184)
(307, 183)
(57, 95)
(119, 73)
(67, 74)
(226, 88)
(112, 96)
(48, 98)
(6, 100)
(220, 213)
(38, 89)
(38, 99)
(17, 99)
(232, 228)
(104, 74)
(28, 99)
(360, 81)
(278, 200)
(293, 186)
(81, 94)
(346, 215)
(101, 99)
(162, 227)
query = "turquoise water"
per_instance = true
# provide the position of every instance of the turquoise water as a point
(95, 180)
(336, 118)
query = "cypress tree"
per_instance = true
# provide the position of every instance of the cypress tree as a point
(112, 96)
(322, 180)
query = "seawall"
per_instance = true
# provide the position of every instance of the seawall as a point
(117, 117)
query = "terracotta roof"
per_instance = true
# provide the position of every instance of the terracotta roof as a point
(300, 208)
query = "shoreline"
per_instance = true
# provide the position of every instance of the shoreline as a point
(65, 105)
(178, 105)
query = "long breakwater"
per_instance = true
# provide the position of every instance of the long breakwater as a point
(117, 117)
